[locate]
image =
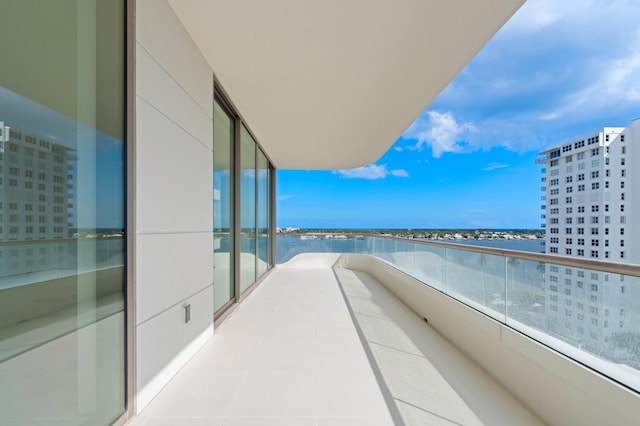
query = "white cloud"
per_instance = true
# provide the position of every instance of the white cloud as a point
(540, 14)
(494, 166)
(399, 173)
(615, 82)
(371, 172)
(578, 71)
(285, 197)
(440, 131)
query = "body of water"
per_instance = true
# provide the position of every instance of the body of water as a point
(289, 246)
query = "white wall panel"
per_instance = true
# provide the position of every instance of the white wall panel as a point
(170, 268)
(158, 88)
(174, 198)
(174, 176)
(164, 37)
(166, 343)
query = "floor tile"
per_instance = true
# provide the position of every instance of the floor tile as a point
(196, 394)
(275, 394)
(270, 421)
(356, 421)
(184, 421)
(350, 395)
(343, 358)
(277, 355)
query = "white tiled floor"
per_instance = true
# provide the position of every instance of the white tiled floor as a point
(318, 348)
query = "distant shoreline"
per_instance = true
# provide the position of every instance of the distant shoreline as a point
(427, 234)
(291, 244)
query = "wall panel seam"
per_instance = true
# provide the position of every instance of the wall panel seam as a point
(177, 232)
(196, 138)
(184, 89)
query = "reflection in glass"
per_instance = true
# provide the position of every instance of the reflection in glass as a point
(263, 214)
(62, 212)
(247, 210)
(478, 280)
(223, 288)
(590, 315)
(431, 265)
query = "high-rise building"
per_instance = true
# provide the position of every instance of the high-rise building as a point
(589, 196)
(590, 200)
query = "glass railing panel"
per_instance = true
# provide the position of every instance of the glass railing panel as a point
(588, 315)
(477, 279)
(385, 249)
(362, 244)
(290, 245)
(431, 264)
(525, 292)
(403, 256)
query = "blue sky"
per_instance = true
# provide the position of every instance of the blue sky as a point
(556, 70)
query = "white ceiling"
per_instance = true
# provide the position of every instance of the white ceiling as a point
(332, 84)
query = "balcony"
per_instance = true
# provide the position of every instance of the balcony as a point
(358, 338)
(314, 345)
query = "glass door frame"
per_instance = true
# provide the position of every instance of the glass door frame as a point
(130, 210)
(221, 96)
(222, 101)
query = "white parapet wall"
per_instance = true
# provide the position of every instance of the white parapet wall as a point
(556, 388)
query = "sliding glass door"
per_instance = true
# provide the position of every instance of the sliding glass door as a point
(223, 142)
(242, 197)
(62, 216)
(264, 214)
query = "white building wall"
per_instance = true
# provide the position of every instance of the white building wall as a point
(174, 197)
(633, 154)
(590, 198)
(590, 207)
